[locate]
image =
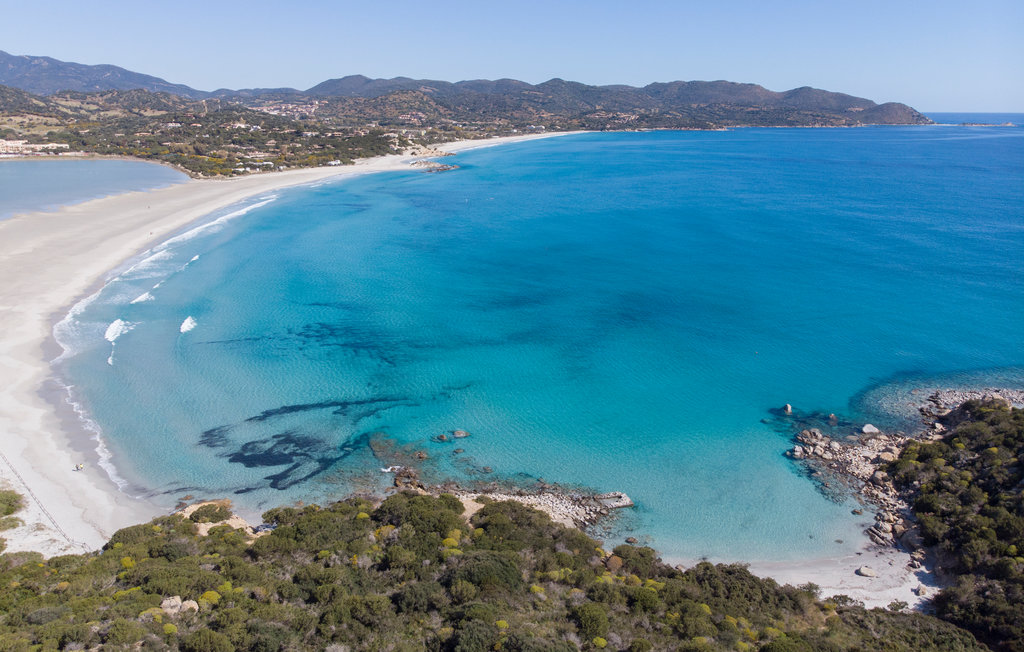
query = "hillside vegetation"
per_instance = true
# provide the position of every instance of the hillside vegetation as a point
(202, 137)
(413, 574)
(967, 497)
(109, 110)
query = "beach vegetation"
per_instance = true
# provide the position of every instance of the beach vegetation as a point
(10, 502)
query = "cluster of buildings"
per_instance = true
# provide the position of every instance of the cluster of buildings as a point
(296, 110)
(25, 147)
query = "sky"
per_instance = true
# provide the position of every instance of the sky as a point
(935, 56)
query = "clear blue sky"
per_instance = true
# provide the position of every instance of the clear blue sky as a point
(935, 56)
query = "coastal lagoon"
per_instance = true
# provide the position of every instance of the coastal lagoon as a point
(45, 184)
(617, 311)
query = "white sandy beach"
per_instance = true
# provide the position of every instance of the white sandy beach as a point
(49, 261)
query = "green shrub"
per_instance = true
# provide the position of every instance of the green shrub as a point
(476, 636)
(10, 522)
(591, 619)
(212, 513)
(10, 502)
(488, 571)
(205, 640)
(124, 632)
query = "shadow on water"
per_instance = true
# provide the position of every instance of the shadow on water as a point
(271, 440)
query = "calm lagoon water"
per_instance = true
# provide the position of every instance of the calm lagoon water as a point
(28, 185)
(620, 311)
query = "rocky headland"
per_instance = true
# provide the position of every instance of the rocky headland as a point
(856, 460)
(415, 469)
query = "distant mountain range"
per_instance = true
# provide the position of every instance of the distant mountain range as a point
(555, 103)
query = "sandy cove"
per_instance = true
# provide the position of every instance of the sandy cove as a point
(48, 262)
(51, 260)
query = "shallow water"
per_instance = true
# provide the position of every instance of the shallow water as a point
(28, 185)
(620, 311)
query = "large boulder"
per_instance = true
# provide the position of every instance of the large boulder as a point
(171, 605)
(912, 539)
(869, 429)
(866, 571)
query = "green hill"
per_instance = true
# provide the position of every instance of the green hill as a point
(413, 574)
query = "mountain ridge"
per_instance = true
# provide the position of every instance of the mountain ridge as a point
(663, 104)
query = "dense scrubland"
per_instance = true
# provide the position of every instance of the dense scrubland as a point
(413, 574)
(966, 493)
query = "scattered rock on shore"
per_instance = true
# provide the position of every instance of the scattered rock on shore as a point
(569, 508)
(941, 403)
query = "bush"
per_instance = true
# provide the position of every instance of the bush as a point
(205, 640)
(591, 619)
(124, 632)
(489, 571)
(10, 502)
(476, 636)
(212, 513)
(787, 644)
(420, 597)
(10, 522)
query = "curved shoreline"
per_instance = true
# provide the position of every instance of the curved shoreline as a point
(783, 565)
(50, 261)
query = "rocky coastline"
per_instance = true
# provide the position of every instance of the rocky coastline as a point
(571, 507)
(856, 462)
(413, 469)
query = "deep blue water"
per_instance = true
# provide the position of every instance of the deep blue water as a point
(45, 184)
(1016, 119)
(621, 311)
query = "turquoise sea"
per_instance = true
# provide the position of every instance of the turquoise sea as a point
(619, 311)
(44, 184)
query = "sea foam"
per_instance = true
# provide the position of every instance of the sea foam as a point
(213, 224)
(117, 328)
(102, 452)
(188, 324)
